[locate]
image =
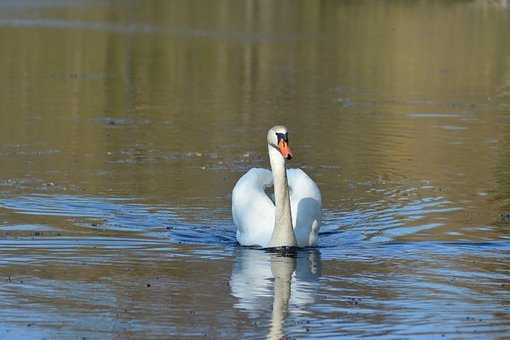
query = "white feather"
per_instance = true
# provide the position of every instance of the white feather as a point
(254, 213)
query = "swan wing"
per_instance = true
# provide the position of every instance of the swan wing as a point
(305, 205)
(252, 210)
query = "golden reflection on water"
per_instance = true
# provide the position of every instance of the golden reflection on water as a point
(399, 110)
(190, 86)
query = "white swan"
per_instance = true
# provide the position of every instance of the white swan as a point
(294, 218)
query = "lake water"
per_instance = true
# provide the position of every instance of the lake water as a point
(124, 126)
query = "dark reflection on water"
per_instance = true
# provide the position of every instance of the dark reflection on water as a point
(124, 126)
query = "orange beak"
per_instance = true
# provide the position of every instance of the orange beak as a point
(285, 149)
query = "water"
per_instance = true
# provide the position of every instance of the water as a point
(124, 126)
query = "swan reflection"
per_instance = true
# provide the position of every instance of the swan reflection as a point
(281, 283)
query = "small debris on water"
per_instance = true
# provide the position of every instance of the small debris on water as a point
(355, 301)
(505, 217)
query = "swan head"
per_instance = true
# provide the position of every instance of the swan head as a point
(278, 138)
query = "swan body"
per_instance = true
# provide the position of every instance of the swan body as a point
(294, 218)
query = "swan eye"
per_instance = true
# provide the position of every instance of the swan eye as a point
(284, 136)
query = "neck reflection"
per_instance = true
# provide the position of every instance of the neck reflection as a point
(284, 284)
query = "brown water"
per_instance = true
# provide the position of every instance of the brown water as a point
(124, 126)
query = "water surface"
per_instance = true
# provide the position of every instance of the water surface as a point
(124, 126)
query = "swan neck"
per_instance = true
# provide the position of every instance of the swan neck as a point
(283, 231)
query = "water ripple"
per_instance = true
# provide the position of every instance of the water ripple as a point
(121, 214)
